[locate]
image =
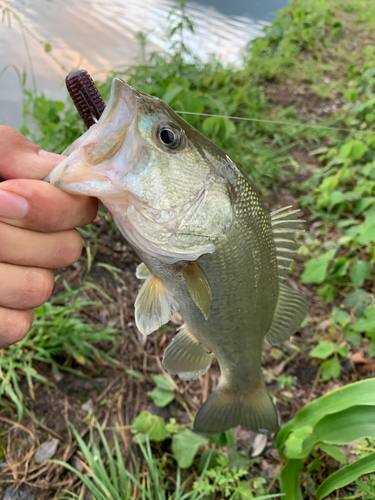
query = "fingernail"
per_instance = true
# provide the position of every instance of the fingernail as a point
(51, 157)
(12, 206)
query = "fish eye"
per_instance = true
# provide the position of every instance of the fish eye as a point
(169, 136)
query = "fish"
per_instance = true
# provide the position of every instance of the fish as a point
(209, 249)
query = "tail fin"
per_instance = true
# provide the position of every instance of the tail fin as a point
(225, 409)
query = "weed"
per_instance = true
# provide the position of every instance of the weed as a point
(118, 483)
(59, 330)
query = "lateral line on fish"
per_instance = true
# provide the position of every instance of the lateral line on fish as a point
(278, 122)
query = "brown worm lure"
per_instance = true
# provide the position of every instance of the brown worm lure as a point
(85, 95)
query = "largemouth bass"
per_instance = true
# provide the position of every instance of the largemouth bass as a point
(209, 248)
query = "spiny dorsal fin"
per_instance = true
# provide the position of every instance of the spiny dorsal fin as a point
(154, 305)
(198, 286)
(186, 357)
(290, 311)
(284, 226)
(142, 272)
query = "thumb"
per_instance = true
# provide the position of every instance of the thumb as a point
(21, 159)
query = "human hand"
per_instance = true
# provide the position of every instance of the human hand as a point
(37, 232)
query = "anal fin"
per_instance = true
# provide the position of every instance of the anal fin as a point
(186, 357)
(154, 305)
(290, 311)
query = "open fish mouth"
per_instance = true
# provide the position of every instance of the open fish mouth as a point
(100, 158)
(141, 161)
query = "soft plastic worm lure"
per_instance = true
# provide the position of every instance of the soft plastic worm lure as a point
(85, 96)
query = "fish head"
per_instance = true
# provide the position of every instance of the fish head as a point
(169, 189)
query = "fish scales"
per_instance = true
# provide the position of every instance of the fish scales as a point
(209, 249)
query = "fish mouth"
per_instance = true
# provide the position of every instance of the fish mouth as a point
(101, 157)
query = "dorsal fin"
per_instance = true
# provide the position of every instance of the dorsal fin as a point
(284, 226)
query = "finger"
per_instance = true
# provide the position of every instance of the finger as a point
(24, 287)
(22, 247)
(48, 209)
(14, 325)
(21, 159)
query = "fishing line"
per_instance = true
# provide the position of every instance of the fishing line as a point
(278, 122)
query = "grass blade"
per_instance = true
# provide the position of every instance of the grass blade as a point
(346, 475)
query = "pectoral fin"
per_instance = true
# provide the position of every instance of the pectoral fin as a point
(154, 305)
(291, 310)
(199, 288)
(142, 272)
(186, 357)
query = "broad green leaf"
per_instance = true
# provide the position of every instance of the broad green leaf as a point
(171, 93)
(353, 150)
(230, 127)
(294, 443)
(340, 267)
(343, 350)
(346, 475)
(355, 339)
(192, 102)
(370, 215)
(358, 393)
(334, 452)
(330, 368)
(149, 424)
(366, 322)
(189, 101)
(345, 150)
(172, 427)
(335, 198)
(360, 271)
(160, 397)
(163, 394)
(339, 428)
(185, 446)
(341, 317)
(162, 382)
(289, 480)
(358, 300)
(366, 234)
(363, 203)
(323, 350)
(210, 124)
(316, 269)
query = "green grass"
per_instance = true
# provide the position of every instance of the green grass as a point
(60, 331)
(106, 475)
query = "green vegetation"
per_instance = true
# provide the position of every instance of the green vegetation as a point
(321, 155)
(338, 418)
